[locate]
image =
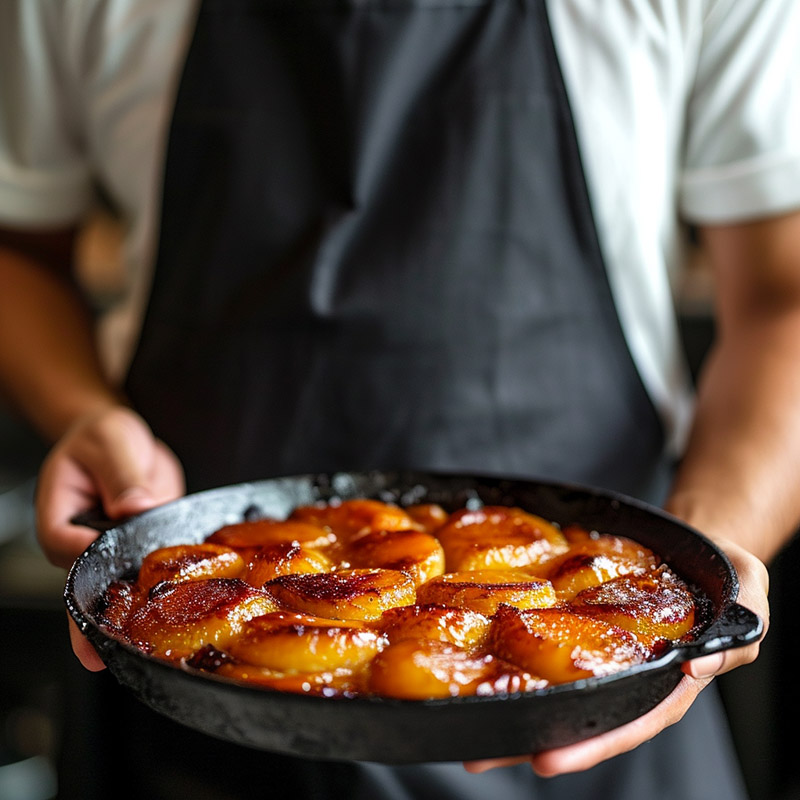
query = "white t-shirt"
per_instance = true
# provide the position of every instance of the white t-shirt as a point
(687, 111)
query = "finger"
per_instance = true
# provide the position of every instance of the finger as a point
(709, 666)
(476, 767)
(116, 462)
(119, 453)
(162, 481)
(167, 480)
(586, 754)
(753, 594)
(63, 491)
(705, 666)
(719, 663)
(83, 649)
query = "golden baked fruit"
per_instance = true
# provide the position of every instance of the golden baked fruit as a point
(288, 642)
(562, 646)
(415, 552)
(497, 537)
(655, 605)
(461, 626)
(592, 559)
(420, 669)
(365, 597)
(287, 558)
(483, 590)
(344, 594)
(177, 619)
(189, 563)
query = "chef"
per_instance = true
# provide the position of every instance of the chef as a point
(430, 234)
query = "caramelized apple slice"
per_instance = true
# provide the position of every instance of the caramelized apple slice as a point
(179, 618)
(345, 594)
(496, 537)
(420, 669)
(257, 533)
(189, 562)
(349, 517)
(582, 540)
(117, 603)
(579, 571)
(592, 559)
(484, 590)
(429, 516)
(327, 684)
(290, 642)
(458, 626)
(562, 646)
(414, 552)
(351, 597)
(269, 562)
(654, 605)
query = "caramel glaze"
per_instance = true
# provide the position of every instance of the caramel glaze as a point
(286, 558)
(495, 537)
(562, 646)
(415, 552)
(176, 619)
(289, 642)
(654, 605)
(116, 605)
(347, 594)
(485, 590)
(419, 669)
(249, 537)
(353, 516)
(460, 626)
(362, 596)
(188, 563)
(591, 560)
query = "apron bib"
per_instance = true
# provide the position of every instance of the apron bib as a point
(377, 252)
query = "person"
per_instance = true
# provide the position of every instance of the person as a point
(420, 234)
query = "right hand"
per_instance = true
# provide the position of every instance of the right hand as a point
(112, 459)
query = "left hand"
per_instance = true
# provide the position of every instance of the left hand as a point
(753, 589)
(111, 458)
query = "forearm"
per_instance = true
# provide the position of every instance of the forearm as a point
(738, 477)
(49, 368)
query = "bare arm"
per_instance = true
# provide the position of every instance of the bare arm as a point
(738, 478)
(736, 481)
(50, 371)
(48, 364)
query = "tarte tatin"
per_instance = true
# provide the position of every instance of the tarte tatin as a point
(365, 597)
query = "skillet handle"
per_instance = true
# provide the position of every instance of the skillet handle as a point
(96, 519)
(736, 626)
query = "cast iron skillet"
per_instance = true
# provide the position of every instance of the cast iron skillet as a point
(402, 731)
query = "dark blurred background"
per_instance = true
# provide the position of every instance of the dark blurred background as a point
(49, 721)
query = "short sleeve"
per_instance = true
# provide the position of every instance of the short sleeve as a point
(742, 148)
(45, 178)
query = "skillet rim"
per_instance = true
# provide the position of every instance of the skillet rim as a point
(730, 625)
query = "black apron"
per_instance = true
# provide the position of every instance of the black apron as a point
(377, 251)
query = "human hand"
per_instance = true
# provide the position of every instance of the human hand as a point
(112, 459)
(698, 673)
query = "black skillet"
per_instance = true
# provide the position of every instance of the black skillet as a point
(401, 731)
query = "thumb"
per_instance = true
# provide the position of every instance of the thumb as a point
(132, 470)
(111, 459)
(129, 501)
(86, 654)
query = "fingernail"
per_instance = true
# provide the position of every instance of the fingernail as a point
(707, 666)
(133, 495)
